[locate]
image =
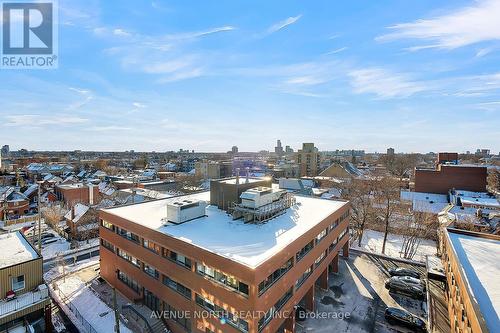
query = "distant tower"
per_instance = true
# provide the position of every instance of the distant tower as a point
(234, 149)
(279, 148)
(390, 151)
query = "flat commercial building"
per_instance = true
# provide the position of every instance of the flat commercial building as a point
(446, 177)
(242, 269)
(472, 270)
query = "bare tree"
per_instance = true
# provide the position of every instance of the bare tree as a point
(386, 201)
(417, 226)
(494, 179)
(360, 193)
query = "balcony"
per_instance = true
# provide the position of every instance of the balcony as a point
(24, 301)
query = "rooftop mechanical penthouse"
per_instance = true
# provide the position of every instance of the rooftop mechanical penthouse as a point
(237, 258)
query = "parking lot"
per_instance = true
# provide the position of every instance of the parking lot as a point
(357, 298)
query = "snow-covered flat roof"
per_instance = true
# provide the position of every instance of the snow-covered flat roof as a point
(491, 202)
(15, 249)
(248, 244)
(242, 180)
(479, 260)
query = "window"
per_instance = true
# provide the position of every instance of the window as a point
(223, 278)
(127, 234)
(305, 250)
(107, 225)
(18, 283)
(134, 261)
(176, 286)
(303, 277)
(318, 261)
(178, 316)
(332, 246)
(220, 312)
(131, 283)
(275, 276)
(179, 259)
(151, 271)
(277, 306)
(151, 246)
(107, 245)
(321, 235)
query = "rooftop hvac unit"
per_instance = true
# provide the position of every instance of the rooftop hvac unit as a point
(185, 210)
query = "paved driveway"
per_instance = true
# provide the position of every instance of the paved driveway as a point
(357, 298)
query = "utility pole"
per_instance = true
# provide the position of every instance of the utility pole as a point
(39, 219)
(117, 316)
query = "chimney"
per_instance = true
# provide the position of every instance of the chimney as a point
(72, 213)
(248, 175)
(237, 176)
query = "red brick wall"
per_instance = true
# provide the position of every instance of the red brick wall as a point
(446, 177)
(444, 157)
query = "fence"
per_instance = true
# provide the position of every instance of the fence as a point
(20, 220)
(82, 322)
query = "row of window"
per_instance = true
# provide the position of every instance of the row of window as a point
(227, 280)
(223, 314)
(275, 276)
(275, 308)
(223, 278)
(272, 278)
(130, 282)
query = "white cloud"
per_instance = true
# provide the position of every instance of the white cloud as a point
(33, 120)
(87, 97)
(469, 25)
(139, 105)
(108, 128)
(337, 50)
(383, 83)
(282, 24)
(483, 52)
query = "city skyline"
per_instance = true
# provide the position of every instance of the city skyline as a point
(158, 76)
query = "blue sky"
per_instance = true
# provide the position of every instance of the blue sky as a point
(162, 75)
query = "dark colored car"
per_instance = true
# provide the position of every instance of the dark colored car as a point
(408, 289)
(300, 313)
(400, 317)
(400, 271)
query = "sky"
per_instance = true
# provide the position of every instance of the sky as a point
(418, 76)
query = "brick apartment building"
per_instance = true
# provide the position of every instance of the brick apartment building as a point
(308, 159)
(247, 265)
(448, 176)
(472, 268)
(72, 194)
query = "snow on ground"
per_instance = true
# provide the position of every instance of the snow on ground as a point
(53, 249)
(96, 312)
(58, 271)
(372, 242)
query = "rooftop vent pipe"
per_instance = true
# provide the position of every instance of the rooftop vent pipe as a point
(237, 176)
(248, 175)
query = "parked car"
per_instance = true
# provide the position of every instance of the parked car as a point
(409, 280)
(408, 289)
(404, 318)
(46, 235)
(401, 271)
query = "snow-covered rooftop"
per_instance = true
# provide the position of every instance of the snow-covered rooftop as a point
(479, 260)
(79, 210)
(249, 244)
(15, 249)
(242, 180)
